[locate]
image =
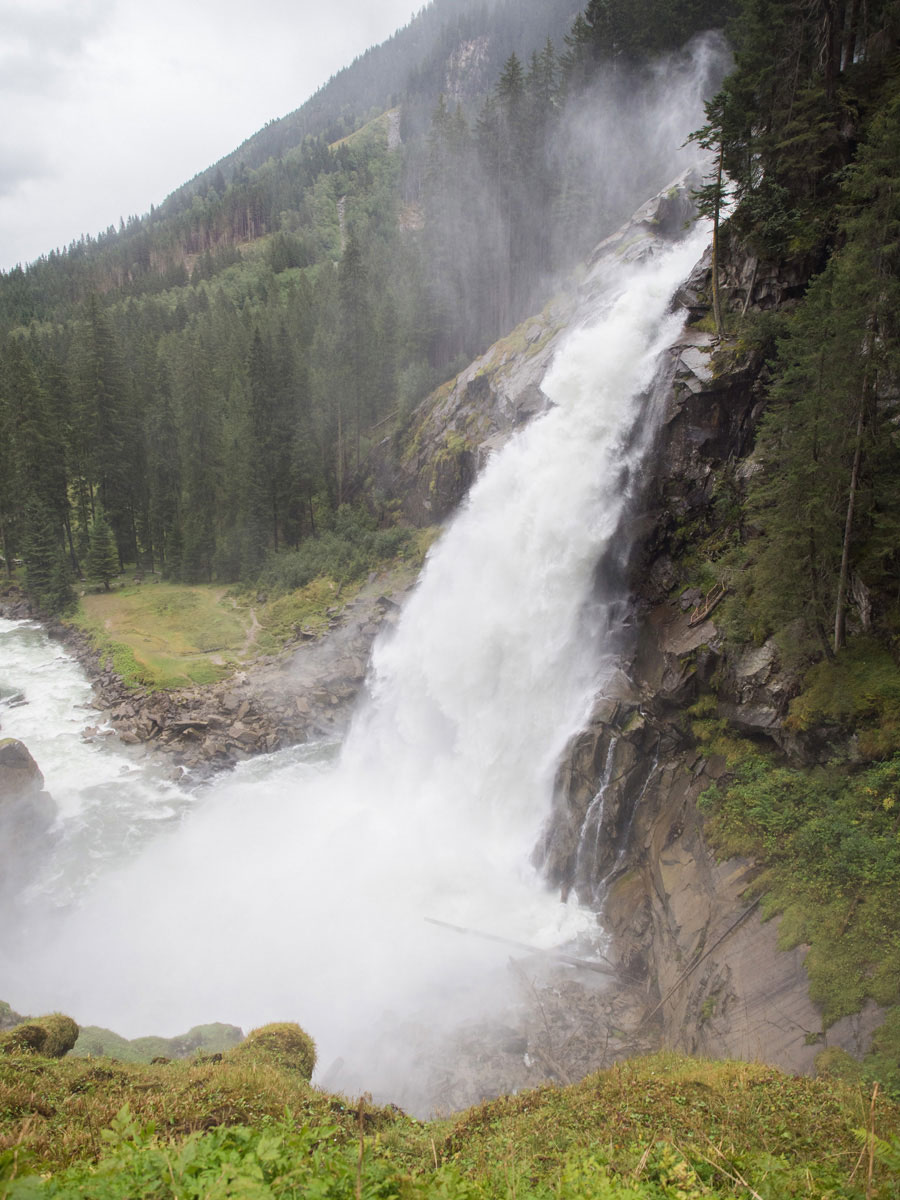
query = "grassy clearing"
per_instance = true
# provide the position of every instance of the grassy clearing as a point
(307, 609)
(650, 1129)
(168, 635)
(665, 1122)
(165, 635)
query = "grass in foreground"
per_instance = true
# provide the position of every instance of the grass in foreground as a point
(659, 1127)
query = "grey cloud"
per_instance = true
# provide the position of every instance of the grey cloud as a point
(60, 32)
(18, 166)
(39, 47)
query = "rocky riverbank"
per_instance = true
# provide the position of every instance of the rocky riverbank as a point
(306, 692)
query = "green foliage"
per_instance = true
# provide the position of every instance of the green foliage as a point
(828, 840)
(714, 733)
(857, 692)
(284, 1044)
(660, 1128)
(824, 499)
(94, 1041)
(102, 562)
(347, 551)
(883, 1060)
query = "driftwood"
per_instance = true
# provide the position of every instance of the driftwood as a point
(714, 598)
(557, 955)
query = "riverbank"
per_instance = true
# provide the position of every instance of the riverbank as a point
(305, 692)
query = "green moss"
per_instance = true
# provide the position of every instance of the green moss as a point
(51, 1036)
(715, 735)
(284, 1045)
(859, 690)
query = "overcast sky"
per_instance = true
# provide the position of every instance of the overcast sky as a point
(109, 105)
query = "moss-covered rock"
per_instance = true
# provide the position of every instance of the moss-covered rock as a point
(283, 1045)
(52, 1036)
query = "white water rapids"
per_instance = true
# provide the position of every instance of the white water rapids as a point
(296, 889)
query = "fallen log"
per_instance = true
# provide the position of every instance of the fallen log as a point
(557, 955)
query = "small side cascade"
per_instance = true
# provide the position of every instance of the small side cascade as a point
(604, 882)
(587, 855)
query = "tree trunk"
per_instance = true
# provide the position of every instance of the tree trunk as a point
(717, 304)
(72, 555)
(849, 51)
(841, 602)
(862, 597)
(6, 555)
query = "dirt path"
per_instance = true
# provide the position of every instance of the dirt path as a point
(249, 641)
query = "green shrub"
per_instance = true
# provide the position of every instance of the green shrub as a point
(859, 691)
(347, 551)
(283, 1045)
(51, 1036)
(829, 843)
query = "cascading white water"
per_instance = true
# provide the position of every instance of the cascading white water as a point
(296, 889)
(102, 790)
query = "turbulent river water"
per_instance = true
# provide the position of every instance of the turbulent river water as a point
(297, 888)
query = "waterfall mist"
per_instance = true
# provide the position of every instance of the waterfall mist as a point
(296, 889)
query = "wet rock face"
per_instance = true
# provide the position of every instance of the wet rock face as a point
(428, 468)
(627, 834)
(14, 605)
(27, 814)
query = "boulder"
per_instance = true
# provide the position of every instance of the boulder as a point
(284, 1045)
(52, 1036)
(27, 813)
(20, 776)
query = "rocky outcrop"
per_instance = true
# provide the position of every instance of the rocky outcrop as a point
(14, 604)
(27, 814)
(627, 833)
(427, 467)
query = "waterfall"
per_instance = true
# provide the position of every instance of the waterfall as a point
(297, 888)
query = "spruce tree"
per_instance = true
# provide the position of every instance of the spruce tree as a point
(102, 563)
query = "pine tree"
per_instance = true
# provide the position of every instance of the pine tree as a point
(43, 551)
(102, 562)
(826, 499)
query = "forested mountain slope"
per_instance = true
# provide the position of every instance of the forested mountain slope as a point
(204, 382)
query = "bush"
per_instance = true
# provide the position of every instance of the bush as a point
(348, 550)
(51, 1036)
(283, 1045)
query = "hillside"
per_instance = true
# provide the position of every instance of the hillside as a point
(242, 1125)
(212, 377)
(307, 359)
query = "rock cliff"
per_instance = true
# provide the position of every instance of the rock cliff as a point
(627, 833)
(699, 970)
